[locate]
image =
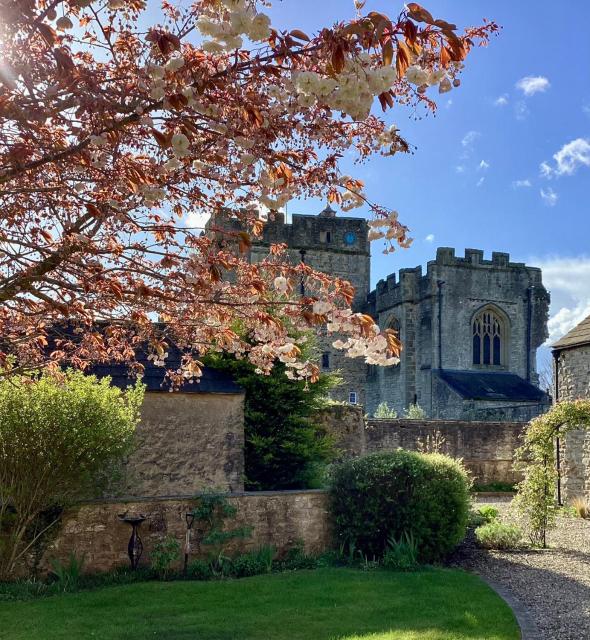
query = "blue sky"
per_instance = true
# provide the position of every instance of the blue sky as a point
(475, 179)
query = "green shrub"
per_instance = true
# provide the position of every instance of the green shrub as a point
(415, 412)
(488, 513)
(402, 554)
(497, 535)
(285, 445)
(61, 439)
(385, 412)
(67, 576)
(387, 494)
(296, 559)
(164, 553)
(253, 563)
(199, 570)
(494, 487)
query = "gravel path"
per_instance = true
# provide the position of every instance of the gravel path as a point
(552, 585)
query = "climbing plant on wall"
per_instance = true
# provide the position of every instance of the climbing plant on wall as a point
(535, 499)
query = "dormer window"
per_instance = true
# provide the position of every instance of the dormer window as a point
(489, 338)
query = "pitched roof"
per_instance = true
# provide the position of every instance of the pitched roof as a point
(212, 381)
(492, 385)
(154, 376)
(579, 335)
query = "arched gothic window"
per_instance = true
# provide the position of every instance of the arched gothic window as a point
(489, 338)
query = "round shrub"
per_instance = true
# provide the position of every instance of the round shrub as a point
(400, 493)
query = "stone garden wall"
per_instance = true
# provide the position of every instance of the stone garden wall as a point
(486, 447)
(94, 531)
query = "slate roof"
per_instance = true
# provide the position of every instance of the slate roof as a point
(212, 381)
(579, 335)
(492, 385)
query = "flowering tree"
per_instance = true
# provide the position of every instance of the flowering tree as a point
(115, 136)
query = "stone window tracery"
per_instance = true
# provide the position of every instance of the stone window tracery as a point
(489, 339)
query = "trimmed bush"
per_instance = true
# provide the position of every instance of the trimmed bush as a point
(497, 535)
(399, 493)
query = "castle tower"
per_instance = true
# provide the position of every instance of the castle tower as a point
(470, 329)
(339, 247)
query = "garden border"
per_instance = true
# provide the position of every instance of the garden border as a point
(524, 620)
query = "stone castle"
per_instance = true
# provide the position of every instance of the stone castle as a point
(470, 327)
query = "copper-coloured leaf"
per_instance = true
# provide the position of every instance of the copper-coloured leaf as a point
(300, 35)
(419, 13)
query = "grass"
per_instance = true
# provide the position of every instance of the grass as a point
(324, 604)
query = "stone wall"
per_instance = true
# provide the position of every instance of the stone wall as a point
(187, 442)
(282, 519)
(573, 378)
(486, 447)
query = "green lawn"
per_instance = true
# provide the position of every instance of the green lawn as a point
(324, 604)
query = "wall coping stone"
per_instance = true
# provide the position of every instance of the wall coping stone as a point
(471, 424)
(193, 496)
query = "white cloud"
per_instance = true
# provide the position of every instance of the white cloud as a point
(533, 84)
(501, 101)
(521, 111)
(568, 280)
(480, 182)
(449, 103)
(519, 184)
(460, 168)
(545, 170)
(196, 219)
(586, 108)
(572, 155)
(483, 165)
(549, 196)
(469, 138)
(429, 237)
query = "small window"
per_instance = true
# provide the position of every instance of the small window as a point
(326, 237)
(325, 360)
(352, 397)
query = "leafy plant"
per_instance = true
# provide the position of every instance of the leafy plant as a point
(498, 535)
(401, 554)
(386, 494)
(199, 570)
(488, 513)
(67, 576)
(61, 438)
(165, 552)
(285, 448)
(211, 513)
(415, 412)
(494, 487)
(535, 459)
(385, 412)
(254, 563)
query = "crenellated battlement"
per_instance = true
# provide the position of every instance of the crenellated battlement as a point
(445, 256)
(411, 283)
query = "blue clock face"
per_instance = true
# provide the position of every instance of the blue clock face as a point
(350, 237)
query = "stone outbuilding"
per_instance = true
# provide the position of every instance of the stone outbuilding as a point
(571, 368)
(189, 439)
